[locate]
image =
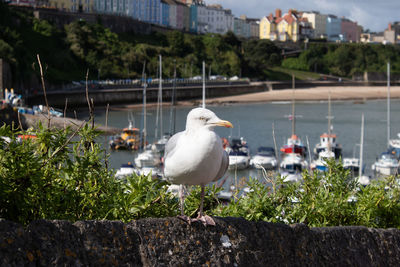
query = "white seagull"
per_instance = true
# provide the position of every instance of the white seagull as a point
(196, 156)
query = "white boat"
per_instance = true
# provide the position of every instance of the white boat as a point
(126, 169)
(156, 172)
(239, 154)
(328, 140)
(387, 164)
(160, 143)
(292, 166)
(265, 158)
(394, 146)
(294, 145)
(320, 163)
(355, 165)
(148, 158)
(352, 164)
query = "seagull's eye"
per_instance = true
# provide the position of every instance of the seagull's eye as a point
(203, 118)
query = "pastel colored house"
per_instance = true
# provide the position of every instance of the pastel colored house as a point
(219, 20)
(350, 31)
(241, 27)
(282, 28)
(334, 28)
(318, 23)
(267, 28)
(288, 27)
(193, 21)
(65, 5)
(164, 13)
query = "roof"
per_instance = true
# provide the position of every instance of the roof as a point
(328, 135)
(170, 2)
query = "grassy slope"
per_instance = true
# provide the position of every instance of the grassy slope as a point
(279, 73)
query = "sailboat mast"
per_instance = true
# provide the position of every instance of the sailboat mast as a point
(172, 117)
(329, 114)
(204, 84)
(143, 132)
(388, 103)
(144, 112)
(161, 100)
(158, 107)
(293, 116)
(361, 146)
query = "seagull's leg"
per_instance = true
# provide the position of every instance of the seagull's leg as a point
(181, 204)
(181, 199)
(205, 219)
(202, 201)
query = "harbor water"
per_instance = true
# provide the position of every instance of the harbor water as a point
(255, 122)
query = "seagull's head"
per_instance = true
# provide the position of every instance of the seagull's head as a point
(202, 117)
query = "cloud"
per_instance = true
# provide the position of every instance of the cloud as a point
(362, 17)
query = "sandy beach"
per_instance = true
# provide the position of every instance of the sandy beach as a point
(360, 93)
(355, 93)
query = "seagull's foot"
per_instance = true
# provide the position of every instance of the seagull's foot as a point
(205, 219)
(185, 218)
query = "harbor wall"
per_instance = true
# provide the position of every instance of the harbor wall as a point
(126, 95)
(172, 242)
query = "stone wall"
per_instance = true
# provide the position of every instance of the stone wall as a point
(172, 242)
(120, 95)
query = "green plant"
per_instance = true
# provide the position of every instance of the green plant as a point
(141, 197)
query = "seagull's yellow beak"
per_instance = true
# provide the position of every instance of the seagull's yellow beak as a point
(223, 123)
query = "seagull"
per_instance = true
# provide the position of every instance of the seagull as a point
(196, 156)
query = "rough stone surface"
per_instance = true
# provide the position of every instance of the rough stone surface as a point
(172, 242)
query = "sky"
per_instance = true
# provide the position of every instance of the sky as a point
(374, 15)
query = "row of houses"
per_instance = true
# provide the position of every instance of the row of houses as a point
(186, 15)
(295, 26)
(197, 17)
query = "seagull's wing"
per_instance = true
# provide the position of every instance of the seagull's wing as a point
(171, 144)
(223, 168)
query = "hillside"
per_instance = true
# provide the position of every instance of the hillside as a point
(67, 53)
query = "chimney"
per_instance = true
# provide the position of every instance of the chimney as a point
(271, 17)
(278, 13)
(390, 27)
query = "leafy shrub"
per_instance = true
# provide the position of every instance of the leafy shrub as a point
(55, 176)
(332, 198)
(52, 177)
(294, 64)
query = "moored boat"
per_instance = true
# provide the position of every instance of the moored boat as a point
(148, 158)
(294, 145)
(126, 169)
(292, 166)
(265, 158)
(387, 164)
(239, 154)
(328, 142)
(352, 164)
(129, 139)
(320, 163)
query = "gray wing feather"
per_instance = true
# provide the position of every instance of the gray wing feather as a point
(171, 144)
(224, 166)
